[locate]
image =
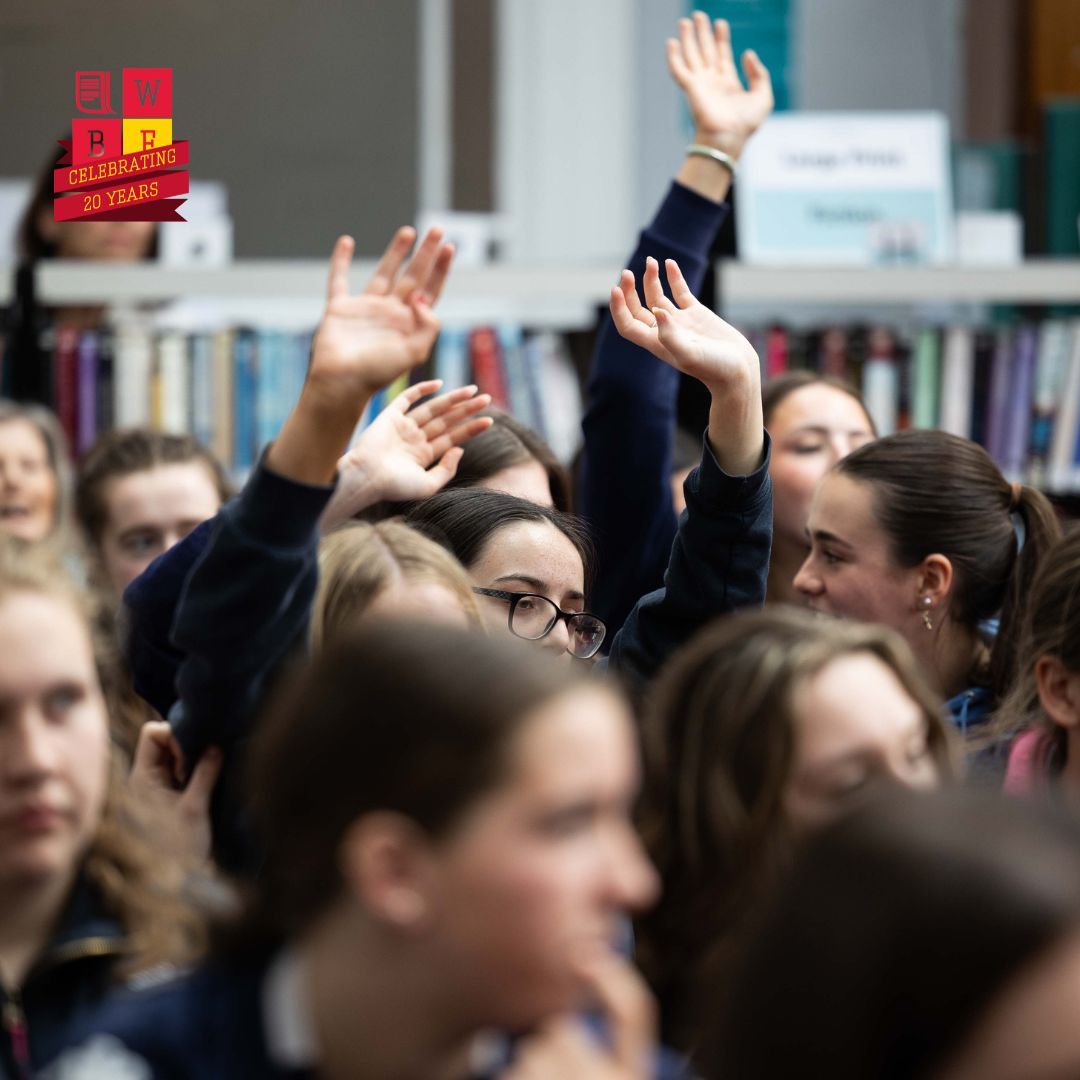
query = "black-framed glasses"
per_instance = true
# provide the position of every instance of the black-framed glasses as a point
(533, 617)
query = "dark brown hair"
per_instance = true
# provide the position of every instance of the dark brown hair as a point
(1051, 628)
(506, 443)
(121, 453)
(465, 520)
(894, 936)
(782, 386)
(936, 493)
(718, 741)
(414, 718)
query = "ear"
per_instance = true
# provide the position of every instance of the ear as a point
(1059, 691)
(386, 863)
(934, 578)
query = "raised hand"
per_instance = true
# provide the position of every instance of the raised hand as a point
(684, 334)
(702, 63)
(366, 341)
(407, 453)
(363, 343)
(695, 340)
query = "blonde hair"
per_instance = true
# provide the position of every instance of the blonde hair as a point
(359, 561)
(139, 886)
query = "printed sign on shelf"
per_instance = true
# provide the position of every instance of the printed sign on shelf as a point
(850, 188)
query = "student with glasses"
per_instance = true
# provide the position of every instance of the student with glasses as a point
(530, 564)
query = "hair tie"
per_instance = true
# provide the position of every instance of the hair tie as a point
(1017, 490)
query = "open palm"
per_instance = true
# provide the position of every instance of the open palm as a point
(702, 63)
(366, 341)
(407, 452)
(684, 334)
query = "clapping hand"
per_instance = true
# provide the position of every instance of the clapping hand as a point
(408, 451)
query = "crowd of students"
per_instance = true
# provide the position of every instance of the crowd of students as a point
(391, 765)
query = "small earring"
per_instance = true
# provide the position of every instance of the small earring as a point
(926, 603)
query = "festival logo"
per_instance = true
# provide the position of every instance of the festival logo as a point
(122, 168)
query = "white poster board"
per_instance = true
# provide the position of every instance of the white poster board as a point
(848, 188)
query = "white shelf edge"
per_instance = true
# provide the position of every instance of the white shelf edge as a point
(1041, 281)
(560, 292)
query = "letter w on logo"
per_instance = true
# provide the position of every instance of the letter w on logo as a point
(142, 88)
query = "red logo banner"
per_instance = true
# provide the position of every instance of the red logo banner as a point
(97, 203)
(114, 170)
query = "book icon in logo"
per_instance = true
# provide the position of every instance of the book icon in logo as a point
(92, 92)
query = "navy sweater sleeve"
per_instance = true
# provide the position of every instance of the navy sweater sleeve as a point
(719, 563)
(629, 424)
(246, 603)
(149, 609)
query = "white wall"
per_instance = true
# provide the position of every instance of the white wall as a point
(565, 131)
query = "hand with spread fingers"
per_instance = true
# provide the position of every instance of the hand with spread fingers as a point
(565, 1049)
(363, 343)
(701, 61)
(366, 341)
(695, 340)
(409, 451)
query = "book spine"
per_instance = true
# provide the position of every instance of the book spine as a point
(202, 411)
(926, 379)
(487, 366)
(1018, 419)
(957, 373)
(65, 383)
(244, 390)
(88, 390)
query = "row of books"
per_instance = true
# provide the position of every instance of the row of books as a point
(233, 388)
(1015, 389)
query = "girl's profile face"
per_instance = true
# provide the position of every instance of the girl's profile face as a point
(54, 742)
(530, 557)
(850, 570)
(542, 870)
(28, 486)
(856, 728)
(150, 511)
(812, 428)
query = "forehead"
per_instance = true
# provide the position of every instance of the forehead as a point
(527, 480)
(854, 701)
(22, 436)
(845, 507)
(41, 638)
(536, 549)
(819, 405)
(175, 491)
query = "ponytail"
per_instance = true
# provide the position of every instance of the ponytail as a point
(1037, 529)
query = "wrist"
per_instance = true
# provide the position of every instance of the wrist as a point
(728, 142)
